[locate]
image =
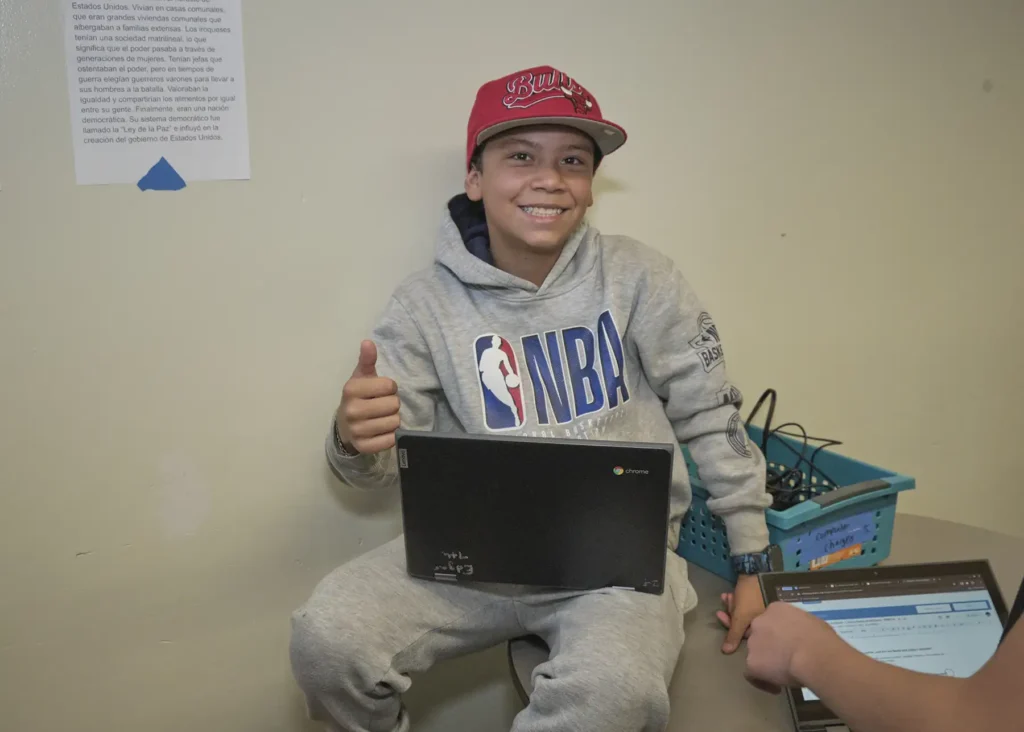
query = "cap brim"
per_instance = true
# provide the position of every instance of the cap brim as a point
(608, 136)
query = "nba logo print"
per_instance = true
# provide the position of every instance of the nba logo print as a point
(500, 383)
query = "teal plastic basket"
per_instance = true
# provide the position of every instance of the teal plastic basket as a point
(848, 525)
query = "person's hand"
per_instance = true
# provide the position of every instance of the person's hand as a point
(368, 413)
(778, 645)
(741, 607)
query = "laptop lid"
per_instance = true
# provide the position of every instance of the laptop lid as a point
(574, 514)
(934, 618)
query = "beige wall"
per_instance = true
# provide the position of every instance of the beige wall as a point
(842, 181)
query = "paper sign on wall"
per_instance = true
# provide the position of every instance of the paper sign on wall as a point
(157, 79)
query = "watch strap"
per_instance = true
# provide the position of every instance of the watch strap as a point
(768, 560)
(339, 445)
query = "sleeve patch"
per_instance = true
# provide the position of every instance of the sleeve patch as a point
(707, 343)
(736, 433)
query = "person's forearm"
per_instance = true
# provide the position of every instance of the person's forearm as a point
(871, 696)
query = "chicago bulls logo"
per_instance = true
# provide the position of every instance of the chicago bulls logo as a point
(529, 89)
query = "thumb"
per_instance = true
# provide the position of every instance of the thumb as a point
(367, 365)
(762, 685)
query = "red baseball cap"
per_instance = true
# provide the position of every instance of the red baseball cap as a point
(537, 96)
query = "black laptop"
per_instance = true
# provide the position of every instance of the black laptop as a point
(942, 619)
(567, 514)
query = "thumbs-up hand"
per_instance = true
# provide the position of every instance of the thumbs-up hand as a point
(368, 413)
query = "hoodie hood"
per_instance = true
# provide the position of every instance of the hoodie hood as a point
(463, 248)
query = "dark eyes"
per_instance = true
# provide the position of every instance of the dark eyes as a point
(523, 157)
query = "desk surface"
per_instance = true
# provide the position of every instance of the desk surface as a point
(708, 690)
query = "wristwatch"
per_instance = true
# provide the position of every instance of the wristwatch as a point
(339, 445)
(769, 560)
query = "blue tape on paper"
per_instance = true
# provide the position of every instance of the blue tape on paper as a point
(161, 177)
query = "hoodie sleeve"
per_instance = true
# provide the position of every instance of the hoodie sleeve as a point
(682, 357)
(402, 355)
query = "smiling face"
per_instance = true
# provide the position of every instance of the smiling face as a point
(536, 186)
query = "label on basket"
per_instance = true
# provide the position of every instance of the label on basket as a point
(853, 551)
(832, 542)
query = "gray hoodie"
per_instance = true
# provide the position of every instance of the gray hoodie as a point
(614, 345)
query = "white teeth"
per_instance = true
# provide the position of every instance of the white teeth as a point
(536, 211)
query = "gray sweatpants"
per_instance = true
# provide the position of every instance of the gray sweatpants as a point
(368, 626)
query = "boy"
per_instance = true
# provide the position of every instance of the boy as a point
(532, 323)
